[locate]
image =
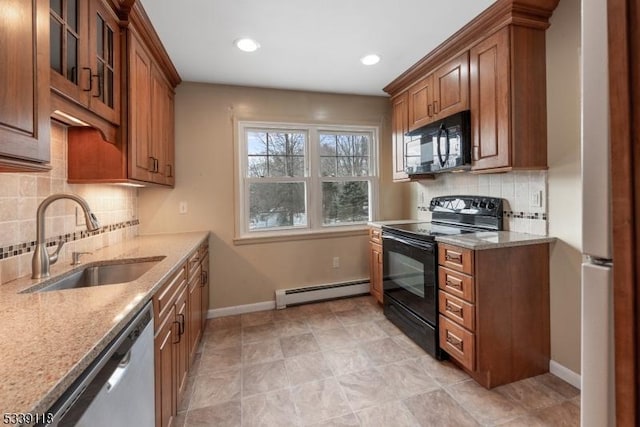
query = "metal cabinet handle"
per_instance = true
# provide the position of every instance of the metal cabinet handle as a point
(456, 257)
(454, 285)
(181, 323)
(156, 168)
(429, 110)
(178, 334)
(152, 164)
(454, 341)
(100, 82)
(204, 278)
(454, 309)
(435, 107)
(170, 169)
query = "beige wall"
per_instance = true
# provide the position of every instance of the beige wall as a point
(245, 274)
(565, 191)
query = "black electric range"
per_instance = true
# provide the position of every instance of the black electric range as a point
(410, 262)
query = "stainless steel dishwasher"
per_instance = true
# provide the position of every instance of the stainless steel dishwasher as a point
(117, 389)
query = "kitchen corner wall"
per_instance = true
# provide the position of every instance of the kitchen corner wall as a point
(20, 194)
(205, 176)
(565, 184)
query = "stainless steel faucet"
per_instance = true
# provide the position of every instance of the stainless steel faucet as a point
(41, 258)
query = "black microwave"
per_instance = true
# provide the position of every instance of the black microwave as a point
(441, 146)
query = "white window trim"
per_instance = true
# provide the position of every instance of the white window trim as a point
(313, 179)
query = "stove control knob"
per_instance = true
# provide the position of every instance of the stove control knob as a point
(483, 204)
(491, 205)
(474, 203)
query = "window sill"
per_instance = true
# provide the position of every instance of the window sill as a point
(307, 235)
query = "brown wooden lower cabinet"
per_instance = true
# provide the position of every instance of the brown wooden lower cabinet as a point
(375, 263)
(204, 265)
(178, 316)
(494, 311)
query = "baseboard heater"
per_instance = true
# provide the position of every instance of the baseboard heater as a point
(295, 296)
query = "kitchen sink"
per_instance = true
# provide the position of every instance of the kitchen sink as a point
(121, 271)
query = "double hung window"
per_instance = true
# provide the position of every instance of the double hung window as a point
(305, 178)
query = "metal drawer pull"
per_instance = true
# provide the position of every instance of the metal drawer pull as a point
(454, 309)
(454, 285)
(457, 257)
(457, 343)
(179, 335)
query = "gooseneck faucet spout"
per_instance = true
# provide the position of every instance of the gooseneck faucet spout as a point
(42, 260)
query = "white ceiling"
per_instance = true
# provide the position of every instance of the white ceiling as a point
(305, 44)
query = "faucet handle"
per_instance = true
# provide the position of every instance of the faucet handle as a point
(75, 257)
(53, 258)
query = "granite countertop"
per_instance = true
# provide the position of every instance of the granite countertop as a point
(49, 338)
(479, 240)
(379, 224)
(493, 239)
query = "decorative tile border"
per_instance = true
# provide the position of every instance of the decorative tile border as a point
(527, 215)
(26, 247)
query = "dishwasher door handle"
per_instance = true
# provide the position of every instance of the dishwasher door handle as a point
(119, 372)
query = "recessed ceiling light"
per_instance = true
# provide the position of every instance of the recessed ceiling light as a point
(247, 45)
(370, 59)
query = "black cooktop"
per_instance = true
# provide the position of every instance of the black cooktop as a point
(426, 230)
(453, 215)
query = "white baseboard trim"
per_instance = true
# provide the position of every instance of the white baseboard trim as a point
(241, 309)
(565, 374)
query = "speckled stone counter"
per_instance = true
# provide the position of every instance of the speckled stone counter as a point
(493, 239)
(379, 224)
(49, 338)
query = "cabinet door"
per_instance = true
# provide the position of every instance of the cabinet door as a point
(195, 312)
(451, 87)
(164, 349)
(399, 126)
(375, 267)
(104, 60)
(24, 81)
(490, 93)
(161, 127)
(71, 75)
(182, 345)
(205, 287)
(420, 103)
(141, 161)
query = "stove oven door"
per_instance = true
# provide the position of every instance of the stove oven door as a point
(410, 275)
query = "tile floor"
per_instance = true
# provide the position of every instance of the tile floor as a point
(341, 363)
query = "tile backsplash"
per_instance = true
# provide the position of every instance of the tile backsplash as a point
(116, 208)
(518, 189)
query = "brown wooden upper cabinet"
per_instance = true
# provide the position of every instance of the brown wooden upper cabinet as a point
(441, 93)
(85, 55)
(24, 85)
(493, 66)
(508, 101)
(151, 145)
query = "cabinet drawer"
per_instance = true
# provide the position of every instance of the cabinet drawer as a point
(375, 235)
(456, 258)
(457, 284)
(457, 342)
(163, 299)
(457, 310)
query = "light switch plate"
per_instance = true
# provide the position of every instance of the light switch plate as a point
(536, 199)
(183, 208)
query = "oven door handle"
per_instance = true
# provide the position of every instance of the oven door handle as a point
(414, 243)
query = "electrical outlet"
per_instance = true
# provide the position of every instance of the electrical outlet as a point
(336, 262)
(536, 199)
(183, 208)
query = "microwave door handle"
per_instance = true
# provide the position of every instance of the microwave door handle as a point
(448, 151)
(442, 129)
